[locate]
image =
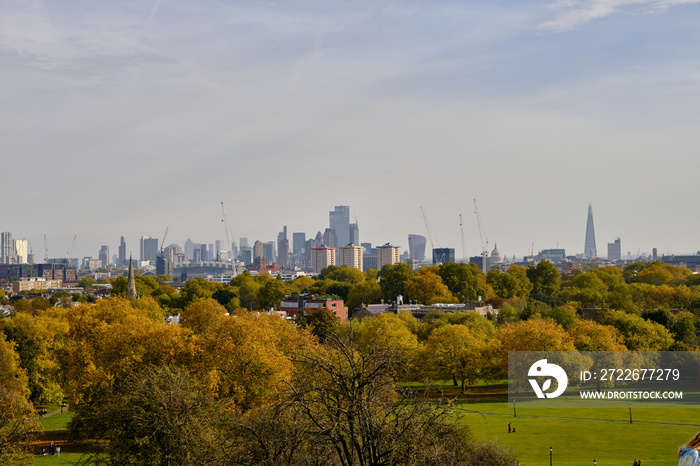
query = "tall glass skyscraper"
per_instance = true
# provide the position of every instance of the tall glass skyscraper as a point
(589, 251)
(416, 247)
(340, 222)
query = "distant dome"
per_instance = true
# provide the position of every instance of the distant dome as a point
(495, 255)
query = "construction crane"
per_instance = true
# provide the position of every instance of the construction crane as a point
(227, 229)
(46, 251)
(431, 233)
(461, 230)
(72, 247)
(482, 235)
(162, 243)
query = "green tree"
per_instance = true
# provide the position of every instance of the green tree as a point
(460, 352)
(545, 279)
(427, 288)
(271, 294)
(638, 334)
(393, 280)
(364, 292)
(466, 281)
(514, 283)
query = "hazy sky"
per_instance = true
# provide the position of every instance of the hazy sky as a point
(124, 118)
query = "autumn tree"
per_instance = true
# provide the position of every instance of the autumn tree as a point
(545, 279)
(427, 288)
(15, 410)
(638, 334)
(459, 352)
(364, 292)
(514, 283)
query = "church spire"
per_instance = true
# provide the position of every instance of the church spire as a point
(131, 284)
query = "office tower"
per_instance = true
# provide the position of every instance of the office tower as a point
(21, 247)
(387, 255)
(7, 246)
(243, 242)
(103, 256)
(322, 258)
(203, 252)
(221, 252)
(165, 261)
(350, 256)
(258, 250)
(319, 239)
(416, 247)
(654, 254)
(340, 223)
(269, 251)
(330, 238)
(189, 250)
(298, 240)
(308, 246)
(283, 248)
(122, 253)
(234, 250)
(149, 249)
(442, 255)
(589, 251)
(615, 250)
(245, 255)
(354, 234)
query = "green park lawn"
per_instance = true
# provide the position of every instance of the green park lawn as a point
(577, 435)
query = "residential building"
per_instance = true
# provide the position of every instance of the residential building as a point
(42, 284)
(305, 304)
(350, 256)
(321, 258)
(387, 255)
(7, 247)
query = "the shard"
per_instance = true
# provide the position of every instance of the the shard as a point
(589, 251)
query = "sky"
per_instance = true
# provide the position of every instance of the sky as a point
(126, 118)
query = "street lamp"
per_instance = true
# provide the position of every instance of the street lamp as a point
(630, 413)
(550, 456)
(514, 413)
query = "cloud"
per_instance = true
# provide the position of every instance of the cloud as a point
(572, 13)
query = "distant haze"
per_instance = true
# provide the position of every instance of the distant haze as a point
(124, 118)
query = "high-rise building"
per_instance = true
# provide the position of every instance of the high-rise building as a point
(416, 247)
(298, 240)
(308, 246)
(189, 250)
(442, 255)
(330, 238)
(283, 248)
(243, 242)
(7, 247)
(269, 251)
(122, 253)
(615, 250)
(21, 248)
(387, 255)
(339, 220)
(149, 249)
(258, 250)
(321, 258)
(354, 234)
(350, 256)
(103, 256)
(589, 251)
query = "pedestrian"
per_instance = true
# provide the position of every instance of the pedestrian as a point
(689, 454)
(513, 429)
(58, 451)
(509, 428)
(52, 449)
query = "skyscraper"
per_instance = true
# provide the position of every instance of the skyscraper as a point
(283, 248)
(104, 255)
(589, 251)
(615, 250)
(122, 253)
(149, 249)
(416, 247)
(340, 222)
(7, 245)
(354, 234)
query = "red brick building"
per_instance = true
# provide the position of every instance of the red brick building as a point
(305, 304)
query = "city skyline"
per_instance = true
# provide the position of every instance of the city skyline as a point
(124, 119)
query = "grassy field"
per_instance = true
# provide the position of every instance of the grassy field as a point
(577, 435)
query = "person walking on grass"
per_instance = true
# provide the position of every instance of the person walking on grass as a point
(688, 454)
